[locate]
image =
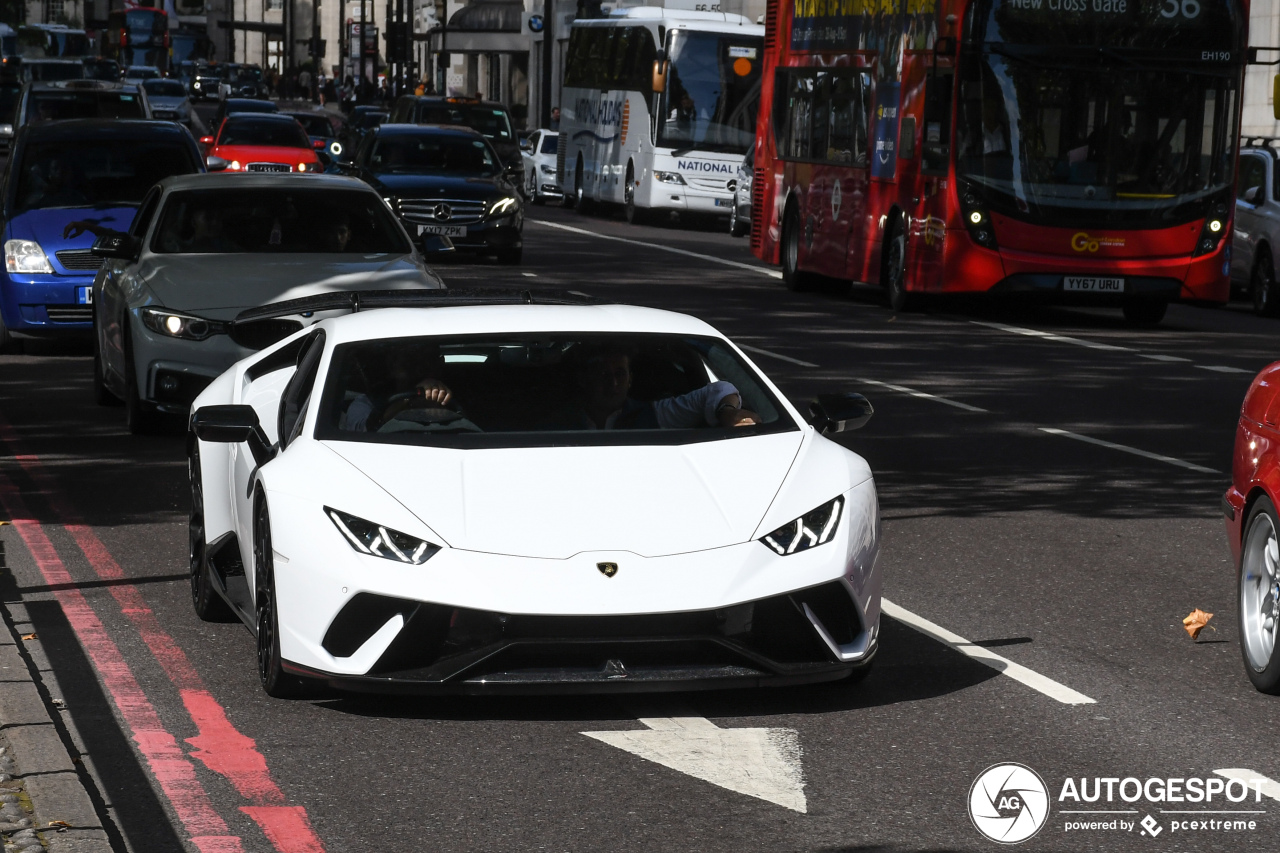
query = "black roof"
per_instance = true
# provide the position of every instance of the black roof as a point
(249, 105)
(83, 85)
(240, 117)
(426, 130)
(444, 99)
(103, 128)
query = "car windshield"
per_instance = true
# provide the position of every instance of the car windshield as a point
(57, 106)
(490, 121)
(278, 220)
(102, 69)
(364, 121)
(314, 125)
(95, 172)
(542, 389)
(47, 72)
(165, 88)
(456, 155)
(713, 91)
(549, 141)
(255, 131)
(141, 73)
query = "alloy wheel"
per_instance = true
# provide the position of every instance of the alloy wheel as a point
(1260, 592)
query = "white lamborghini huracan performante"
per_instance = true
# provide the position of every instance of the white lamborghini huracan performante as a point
(489, 492)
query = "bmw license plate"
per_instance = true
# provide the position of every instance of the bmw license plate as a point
(443, 230)
(84, 295)
(1090, 284)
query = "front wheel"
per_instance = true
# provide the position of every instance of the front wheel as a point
(893, 271)
(635, 215)
(1145, 312)
(1259, 588)
(140, 416)
(737, 228)
(792, 276)
(208, 605)
(1266, 301)
(531, 192)
(275, 681)
(8, 343)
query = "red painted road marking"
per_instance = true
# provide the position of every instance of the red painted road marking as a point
(220, 746)
(171, 768)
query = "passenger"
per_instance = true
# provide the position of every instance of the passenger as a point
(338, 235)
(604, 381)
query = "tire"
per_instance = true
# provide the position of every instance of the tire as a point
(510, 257)
(277, 683)
(737, 228)
(532, 189)
(208, 605)
(635, 215)
(1262, 286)
(893, 270)
(140, 416)
(1259, 597)
(580, 199)
(1145, 312)
(102, 395)
(792, 276)
(8, 343)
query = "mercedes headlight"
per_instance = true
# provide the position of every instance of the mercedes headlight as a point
(815, 527)
(547, 170)
(176, 325)
(503, 205)
(668, 177)
(378, 541)
(25, 256)
(6, 130)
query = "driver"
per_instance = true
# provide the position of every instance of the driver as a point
(604, 382)
(392, 386)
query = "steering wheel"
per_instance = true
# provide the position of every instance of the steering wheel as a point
(427, 412)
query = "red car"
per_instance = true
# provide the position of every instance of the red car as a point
(1253, 527)
(261, 142)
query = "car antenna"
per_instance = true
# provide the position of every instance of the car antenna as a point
(355, 302)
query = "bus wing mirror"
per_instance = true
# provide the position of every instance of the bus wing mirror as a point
(660, 68)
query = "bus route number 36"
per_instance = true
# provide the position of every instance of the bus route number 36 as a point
(1186, 8)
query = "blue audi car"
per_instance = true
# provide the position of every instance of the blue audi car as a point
(67, 182)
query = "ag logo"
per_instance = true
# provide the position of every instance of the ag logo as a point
(607, 569)
(1082, 242)
(1008, 803)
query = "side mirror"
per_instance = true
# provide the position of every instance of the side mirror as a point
(122, 247)
(216, 164)
(1251, 194)
(660, 67)
(525, 144)
(206, 140)
(233, 425)
(832, 413)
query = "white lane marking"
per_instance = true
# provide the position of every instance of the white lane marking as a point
(923, 395)
(672, 249)
(1124, 448)
(777, 355)
(1159, 357)
(1218, 368)
(1050, 336)
(529, 274)
(1016, 671)
(761, 763)
(1263, 785)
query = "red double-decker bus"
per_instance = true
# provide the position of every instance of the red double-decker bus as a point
(138, 35)
(1083, 150)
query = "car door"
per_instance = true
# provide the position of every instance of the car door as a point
(280, 399)
(1251, 193)
(111, 304)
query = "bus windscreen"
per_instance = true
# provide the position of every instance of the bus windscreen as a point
(713, 92)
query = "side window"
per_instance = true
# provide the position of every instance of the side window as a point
(840, 145)
(936, 146)
(1253, 176)
(799, 103)
(293, 403)
(146, 212)
(818, 123)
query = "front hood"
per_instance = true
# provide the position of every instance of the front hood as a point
(220, 286)
(554, 502)
(440, 186)
(46, 226)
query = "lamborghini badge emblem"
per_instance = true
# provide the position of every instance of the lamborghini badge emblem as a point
(607, 569)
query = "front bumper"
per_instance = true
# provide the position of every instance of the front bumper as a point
(46, 305)
(469, 622)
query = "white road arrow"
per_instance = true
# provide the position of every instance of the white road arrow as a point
(763, 763)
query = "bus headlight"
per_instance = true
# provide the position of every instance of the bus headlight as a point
(976, 219)
(1213, 230)
(668, 177)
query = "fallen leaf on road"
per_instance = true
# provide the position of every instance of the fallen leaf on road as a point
(28, 636)
(61, 825)
(1196, 621)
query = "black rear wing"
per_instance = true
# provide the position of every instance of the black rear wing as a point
(367, 300)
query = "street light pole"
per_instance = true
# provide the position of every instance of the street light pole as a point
(548, 45)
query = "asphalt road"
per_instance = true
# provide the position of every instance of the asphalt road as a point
(1074, 559)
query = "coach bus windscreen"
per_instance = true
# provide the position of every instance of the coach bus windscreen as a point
(1076, 111)
(713, 91)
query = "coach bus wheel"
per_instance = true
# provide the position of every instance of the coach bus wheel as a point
(1266, 301)
(893, 270)
(635, 215)
(580, 199)
(792, 276)
(1145, 312)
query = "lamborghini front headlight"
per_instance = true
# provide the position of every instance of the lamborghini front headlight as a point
(375, 540)
(815, 527)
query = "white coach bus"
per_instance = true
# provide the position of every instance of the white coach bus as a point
(658, 108)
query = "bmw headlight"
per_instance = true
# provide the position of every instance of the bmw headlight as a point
(668, 177)
(378, 541)
(815, 527)
(177, 325)
(25, 256)
(503, 205)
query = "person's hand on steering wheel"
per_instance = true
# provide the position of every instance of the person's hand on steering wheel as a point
(433, 393)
